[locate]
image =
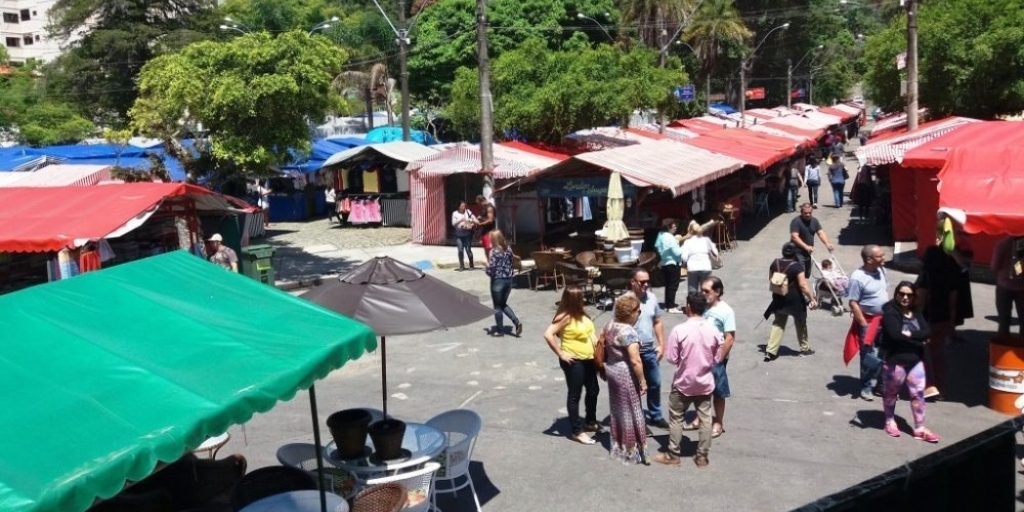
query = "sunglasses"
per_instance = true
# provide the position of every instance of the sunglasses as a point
(904, 294)
(642, 283)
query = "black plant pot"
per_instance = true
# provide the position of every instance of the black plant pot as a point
(387, 438)
(348, 428)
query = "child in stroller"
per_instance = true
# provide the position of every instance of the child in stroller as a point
(831, 287)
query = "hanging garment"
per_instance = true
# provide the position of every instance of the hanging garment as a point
(371, 182)
(106, 252)
(358, 215)
(373, 211)
(587, 214)
(68, 265)
(89, 261)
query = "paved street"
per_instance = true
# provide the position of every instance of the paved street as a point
(794, 430)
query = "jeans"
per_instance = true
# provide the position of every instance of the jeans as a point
(652, 374)
(694, 279)
(1006, 301)
(870, 364)
(812, 193)
(837, 193)
(500, 288)
(579, 375)
(671, 275)
(791, 193)
(805, 260)
(465, 245)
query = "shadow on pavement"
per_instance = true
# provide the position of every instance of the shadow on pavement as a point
(463, 498)
(875, 419)
(845, 385)
(862, 232)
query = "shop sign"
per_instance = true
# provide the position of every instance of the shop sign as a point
(596, 186)
(756, 93)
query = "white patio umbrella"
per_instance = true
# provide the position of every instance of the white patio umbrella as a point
(614, 228)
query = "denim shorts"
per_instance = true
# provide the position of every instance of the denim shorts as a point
(721, 379)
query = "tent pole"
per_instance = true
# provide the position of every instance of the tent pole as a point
(384, 373)
(319, 448)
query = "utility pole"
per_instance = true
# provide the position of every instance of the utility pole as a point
(743, 93)
(662, 33)
(911, 65)
(789, 83)
(403, 53)
(486, 101)
(810, 89)
(707, 90)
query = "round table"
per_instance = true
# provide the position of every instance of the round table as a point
(297, 501)
(212, 445)
(421, 441)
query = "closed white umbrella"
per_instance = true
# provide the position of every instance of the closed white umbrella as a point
(614, 228)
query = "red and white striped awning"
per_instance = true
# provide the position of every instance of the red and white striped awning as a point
(508, 162)
(666, 164)
(610, 137)
(62, 175)
(671, 132)
(803, 140)
(894, 123)
(849, 109)
(888, 150)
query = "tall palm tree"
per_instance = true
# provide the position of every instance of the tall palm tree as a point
(370, 87)
(655, 18)
(715, 29)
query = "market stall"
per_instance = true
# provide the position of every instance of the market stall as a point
(47, 226)
(886, 153)
(928, 159)
(58, 176)
(376, 172)
(98, 406)
(981, 189)
(439, 182)
(296, 194)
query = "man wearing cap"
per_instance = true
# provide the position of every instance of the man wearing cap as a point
(222, 255)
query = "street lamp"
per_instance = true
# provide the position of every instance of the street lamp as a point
(230, 24)
(603, 29)
(744, 64)
(789, 74)
(324, 25)
(232, 27)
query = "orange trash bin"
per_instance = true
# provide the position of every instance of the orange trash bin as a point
(1006, 373)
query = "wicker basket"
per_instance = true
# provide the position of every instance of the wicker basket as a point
(380, 498)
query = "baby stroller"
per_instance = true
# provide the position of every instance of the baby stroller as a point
(831, 285)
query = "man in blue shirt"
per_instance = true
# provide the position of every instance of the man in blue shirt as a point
(867, 295)
(652, 343)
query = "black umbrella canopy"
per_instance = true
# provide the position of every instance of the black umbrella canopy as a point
(395, 298)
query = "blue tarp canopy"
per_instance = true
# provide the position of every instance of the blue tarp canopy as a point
(14, 157)
(393, 133)
(75, 152)
(721, 107)
(322, 150)
(94, 154)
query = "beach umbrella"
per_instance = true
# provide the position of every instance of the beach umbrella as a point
(614, 228)
(395, 298)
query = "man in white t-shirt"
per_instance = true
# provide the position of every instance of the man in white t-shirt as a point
(722, 316)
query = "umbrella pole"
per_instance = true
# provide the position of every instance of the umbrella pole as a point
(319, 449)
(384, 373)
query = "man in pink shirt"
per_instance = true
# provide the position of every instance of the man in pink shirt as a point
(694, 347)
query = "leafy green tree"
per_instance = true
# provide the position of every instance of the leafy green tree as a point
(48, 123)
(970, 59)
(544, 94)
(444, 37)
(98, 72)
(254, 96)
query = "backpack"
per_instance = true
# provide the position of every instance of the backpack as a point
(778, 282)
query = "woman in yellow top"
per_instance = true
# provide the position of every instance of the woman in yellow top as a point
(571, 337)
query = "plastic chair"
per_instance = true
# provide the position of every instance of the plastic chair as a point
(298, 455)
(269, 481)
(571, 274)
(521, 267)
(380, 498)
(546, 267)
(417, 484)
(461, 427)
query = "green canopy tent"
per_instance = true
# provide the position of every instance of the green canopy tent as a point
(107, 374)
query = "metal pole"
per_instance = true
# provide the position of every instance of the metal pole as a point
(384, 374)
(707, 90)
(810, 90)
(403, 53)
(743, 93)
(486, 101)
(789, 83)
(319, 448)
(911, 65)
(662, 33)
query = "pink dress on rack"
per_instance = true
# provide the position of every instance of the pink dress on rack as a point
(358, 215)
(373, 211)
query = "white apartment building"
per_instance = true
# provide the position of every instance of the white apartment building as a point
(23, 30)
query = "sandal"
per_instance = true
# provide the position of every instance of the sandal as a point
(700, 460)
(892, 429)
(926, 435)
(583, 438)
(667, 459)
(715, 433)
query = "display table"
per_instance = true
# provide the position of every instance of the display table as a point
(420, 444)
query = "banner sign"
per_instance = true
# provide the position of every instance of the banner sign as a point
(757, 93)
(595, 186)
(797, 93)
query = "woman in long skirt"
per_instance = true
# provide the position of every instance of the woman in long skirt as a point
(624, 371)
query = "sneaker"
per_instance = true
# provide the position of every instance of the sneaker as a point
(892, 429)
(806, 352)
(659, 423)
(594, 427)
(866, 396)
(666, 459)
(519, 329)
(931, 392)
(926, 435)
(675, 311)
(770, 357)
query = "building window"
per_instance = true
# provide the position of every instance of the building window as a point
(38, 38)
(27, 40)
(13, 42)
(10, 17)
(25, 15)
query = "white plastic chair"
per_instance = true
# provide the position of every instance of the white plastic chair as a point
(461, 427)
(417, 483)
